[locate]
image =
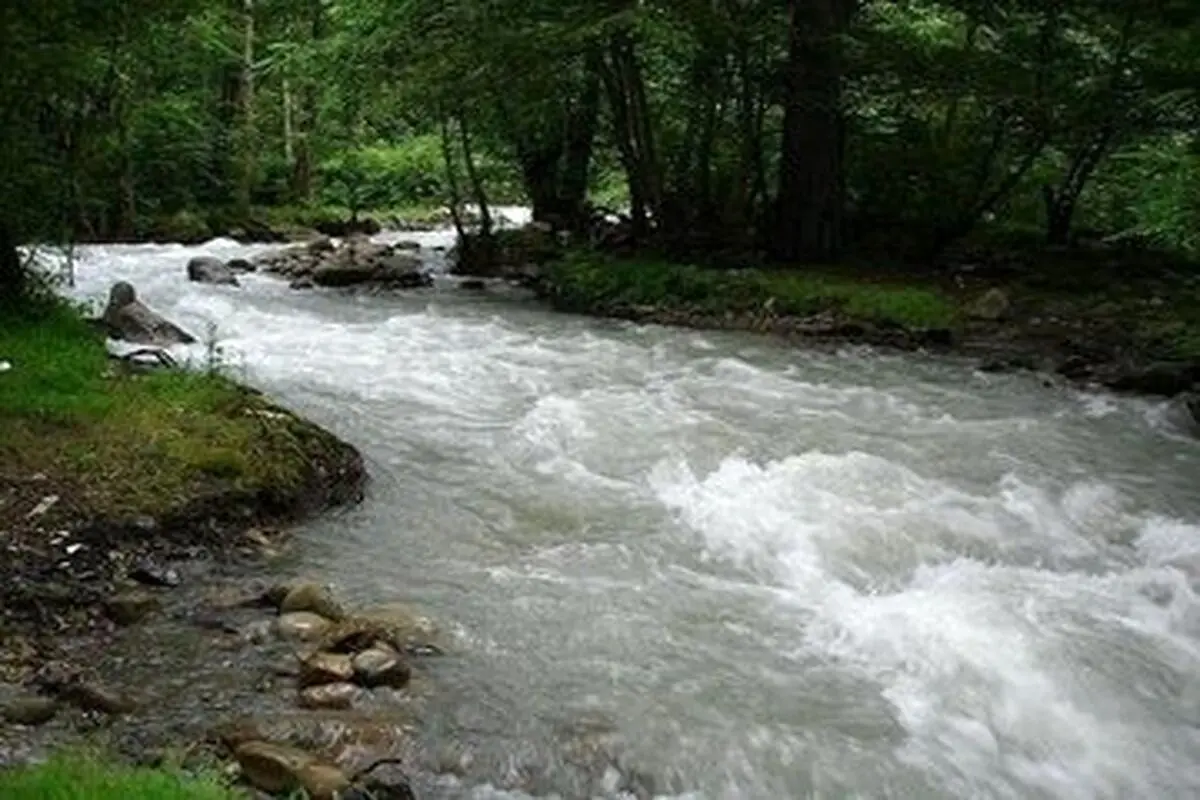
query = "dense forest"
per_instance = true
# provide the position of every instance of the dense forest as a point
(803, 131)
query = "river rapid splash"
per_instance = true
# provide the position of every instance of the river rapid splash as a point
(771, 572)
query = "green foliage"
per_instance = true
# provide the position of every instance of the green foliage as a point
(85, 776)
(588, 282)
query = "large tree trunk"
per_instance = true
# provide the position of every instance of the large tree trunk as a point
(808, 223)
(246, 144)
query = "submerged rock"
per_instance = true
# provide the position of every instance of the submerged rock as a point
(241, 265)
(335, 696)
(94, 697)
(30, 711)
(127, 318)
(206, 269)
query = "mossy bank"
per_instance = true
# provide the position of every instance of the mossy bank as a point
(102, 464)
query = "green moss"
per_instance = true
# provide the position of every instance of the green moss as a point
(134, 444)
(83, 776)
(587, 282)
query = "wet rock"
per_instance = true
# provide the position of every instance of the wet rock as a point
(30, 711)
(131, 608)
(1192, 403)
(314, 598)
(206, 269)
(241, 265)
(257, 632)
(993, 306)
(94, 697)
(337, 696)
(127, 318)
(279, 769)
(321, 668)
(150, 574)
(337, 276)
(379, 789)
(403, 270)
(407, 245)
(1166, 379)
(320, 245)
(302, 283)
(302, 626)
(400, 628)
(379, 665)
(473, 285)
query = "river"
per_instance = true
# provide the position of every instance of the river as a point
(774, 572)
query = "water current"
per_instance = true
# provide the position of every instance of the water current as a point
(773, 572)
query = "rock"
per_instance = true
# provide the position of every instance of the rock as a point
(30, 711)
(151, 574)
(93, 697)
(303, 626)
(206, 269)
(281, 769)
(407, 245)
(322, 244)
(314, 598)
(473, 285)
(127, 318)
(398, 627)
(321, 668)
(377, 789)
(131, 608)
(302, 283)
(336, 696)
(1192, 402)
(993, 306)
(340, 275)
(379, 665)
(241, 265)
(1165, 378)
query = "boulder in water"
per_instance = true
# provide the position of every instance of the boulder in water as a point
(311, 597)
(302, 626)
(206, 269)
(241, 265)
(127, 318)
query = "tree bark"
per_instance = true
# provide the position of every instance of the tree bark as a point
(246, 134)
(810, 198)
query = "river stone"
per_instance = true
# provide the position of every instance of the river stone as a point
(241, 265)
(333, 696)
(93, 697)
(1192, 402)
(127, 318)
(319, 245)
(313, 598)
(302, 626)
(281, 769)
(30, 711)
(131, 608)
(206, 269)
(992, 306)
(381, 666)
(322, 668)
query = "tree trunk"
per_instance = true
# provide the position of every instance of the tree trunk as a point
(477, 187)
(12, 272)
(810, 198)
(246, 145)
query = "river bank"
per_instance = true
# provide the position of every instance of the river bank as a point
(1125, 321)
(127, 497)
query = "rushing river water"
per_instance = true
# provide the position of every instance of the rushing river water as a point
(775, 572)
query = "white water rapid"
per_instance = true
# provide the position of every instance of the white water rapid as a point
(775, 572)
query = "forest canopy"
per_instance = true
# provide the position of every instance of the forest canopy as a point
(802, 130)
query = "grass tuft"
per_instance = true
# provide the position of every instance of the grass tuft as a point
(84, 776)
(133, 444)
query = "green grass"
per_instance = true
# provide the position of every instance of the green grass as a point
(587, 282)
(132, 444)
(82, 776)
